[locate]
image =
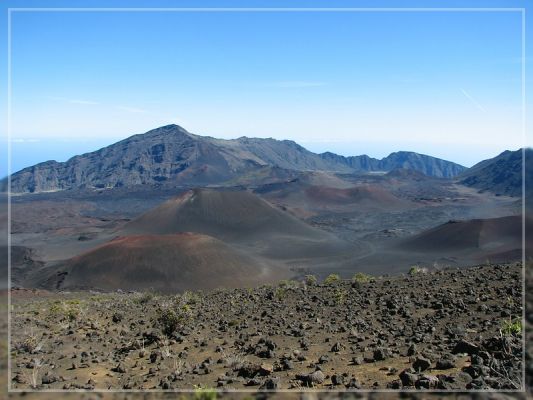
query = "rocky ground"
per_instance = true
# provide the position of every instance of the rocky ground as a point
(448, 330)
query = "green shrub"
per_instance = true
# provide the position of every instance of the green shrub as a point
(288, 283)
(331, 279)
(280, 293)
(339, 295)
(144, 298)
(415, 269)
(190, 298)
(168, 320)
(512, 328)
(204, 393)
(310, 280)
(362, 278)
(70, 309)
(56, 308)
(73, 313)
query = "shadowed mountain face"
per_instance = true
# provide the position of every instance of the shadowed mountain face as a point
(501, 174)
(171, 154)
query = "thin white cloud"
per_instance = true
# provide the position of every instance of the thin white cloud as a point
(24, 140)
(78, 101)
(298, 84)
(134, 110)
(73, 101)
(472, 100)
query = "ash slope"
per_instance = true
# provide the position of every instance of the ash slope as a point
(307, 197)
(495, 239)
(241, 218)
(165, 263)
(170, 154)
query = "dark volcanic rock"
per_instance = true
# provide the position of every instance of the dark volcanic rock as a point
(445, 362)
(236, 339)
(464, 346)
(421, 364)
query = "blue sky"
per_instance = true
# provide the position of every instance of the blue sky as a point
(442, 83)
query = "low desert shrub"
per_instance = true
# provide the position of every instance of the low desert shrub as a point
(339, 295)
(280, 293)
(204, 393)
(144, 298)
(512, 328)
(168, 320)
(69, 309)
(362, 278)
(331, 279)
(310, 280)
(416, 269)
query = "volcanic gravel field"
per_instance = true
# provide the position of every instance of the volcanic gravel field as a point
(454, 329)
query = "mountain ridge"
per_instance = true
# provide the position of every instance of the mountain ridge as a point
(502, 175)
(172, 154)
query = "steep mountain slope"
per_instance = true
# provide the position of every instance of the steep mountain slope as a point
(501, 174)
(168, 263)
(171, 154)
(156, 156)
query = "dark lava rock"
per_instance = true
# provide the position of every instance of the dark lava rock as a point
(337, 347)
(47, 379)
(446, 362)
(427, 382)
(312, 379)
(117, 317)
(286, 364)
(317, 377)
(395, 384)
(408, 377)
(421, 364)
(271, 384)
(353, 384)
(119, 368)
(249, 370)
(323, 359)
(337, 379)
(463, 346)
(382, 354)
(357, 360)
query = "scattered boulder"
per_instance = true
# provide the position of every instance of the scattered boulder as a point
(463, 346)
(421, 364)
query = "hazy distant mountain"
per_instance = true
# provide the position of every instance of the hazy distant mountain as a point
(501, 174)
(427, 165)
(171, 154)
